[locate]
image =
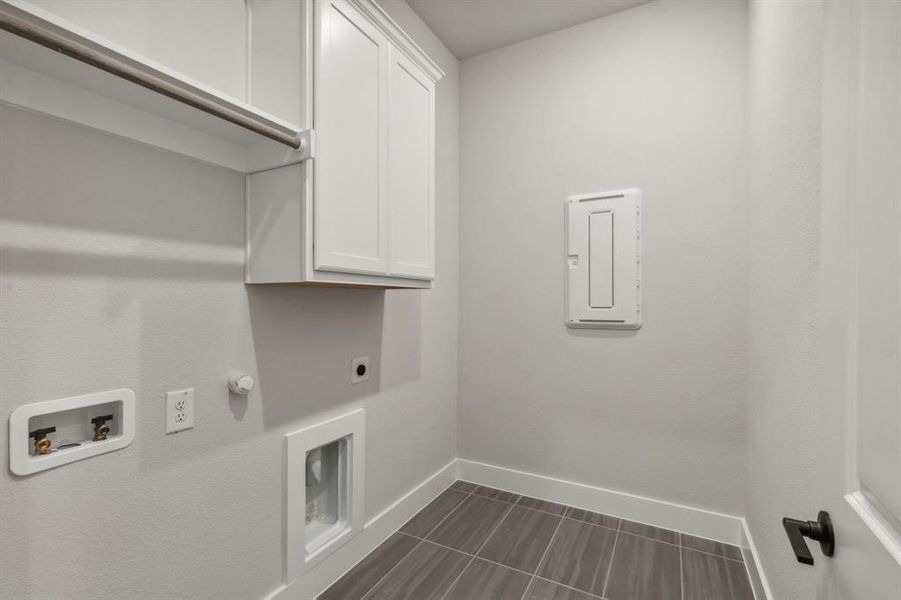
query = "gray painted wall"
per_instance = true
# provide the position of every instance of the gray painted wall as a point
(122, 266)
(654, 97)
(784, 408)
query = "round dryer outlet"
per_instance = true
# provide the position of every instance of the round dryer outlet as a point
(359, 369)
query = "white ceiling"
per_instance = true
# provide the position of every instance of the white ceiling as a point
(470, 27)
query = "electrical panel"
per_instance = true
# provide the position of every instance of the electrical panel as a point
(603, 260)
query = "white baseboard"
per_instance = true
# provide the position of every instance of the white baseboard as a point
(375, 531)
(759, 583)
(678, 517)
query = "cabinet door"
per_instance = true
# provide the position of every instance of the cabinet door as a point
(411, 168)
(350, 108)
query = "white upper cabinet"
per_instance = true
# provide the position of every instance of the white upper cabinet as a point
(411, 170)
(362, 212)
(374, 169)
(350, 123)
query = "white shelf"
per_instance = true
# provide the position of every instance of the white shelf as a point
(41, 80)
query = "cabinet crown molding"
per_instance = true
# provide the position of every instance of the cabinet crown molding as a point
(398, 37)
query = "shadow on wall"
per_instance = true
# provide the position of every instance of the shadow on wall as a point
(306, 337)
(401, 338)
(47, 262)
(601, 333)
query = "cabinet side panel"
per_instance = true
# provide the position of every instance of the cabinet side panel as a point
(275, 240)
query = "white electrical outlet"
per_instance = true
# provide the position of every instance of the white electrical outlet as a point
(179, 410)
(359, 369)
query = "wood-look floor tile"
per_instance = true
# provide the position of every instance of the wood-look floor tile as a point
(495, 494)
(592, 517)
(708, 577)
(371, 569)
(644, 569)
(712, 547)
(579, 556)
(521, 538)
(551, 507)
(545, 590)
(657, 533)
(426, 519)
(425, 574)
(483, 580)
(464, 486)
(469, 526)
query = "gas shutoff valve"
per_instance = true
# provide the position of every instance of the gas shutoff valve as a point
(241, 383)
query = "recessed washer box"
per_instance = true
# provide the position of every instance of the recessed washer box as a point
(603, 260)
(70, 420)
(324, 468)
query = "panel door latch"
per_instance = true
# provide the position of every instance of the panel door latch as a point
(820, 531)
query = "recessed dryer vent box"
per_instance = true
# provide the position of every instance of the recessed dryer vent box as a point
(603, 260)
(324, 470)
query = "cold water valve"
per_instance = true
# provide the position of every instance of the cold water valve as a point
(101, 429)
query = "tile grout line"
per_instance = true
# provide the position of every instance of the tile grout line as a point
(474, 556)
(653, 539)
(706, 539)
(493, 562)
(681, 571)
(711, 554)
(563, 585)
(612, 556)
(520, 498)
(563, 506)
(445, 518)
(647, 537)
(543, 556)
(479, 549)
(421, 540)
(391, 570)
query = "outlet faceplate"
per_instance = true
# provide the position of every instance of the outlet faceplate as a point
(179, 410)
(359, 369)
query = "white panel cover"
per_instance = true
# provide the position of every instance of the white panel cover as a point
(603, 260)
(600, 262)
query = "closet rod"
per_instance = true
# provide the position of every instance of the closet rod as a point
(107, 61)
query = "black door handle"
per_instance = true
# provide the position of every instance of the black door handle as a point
(819, 531)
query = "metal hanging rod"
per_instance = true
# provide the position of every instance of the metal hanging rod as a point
(108, 61)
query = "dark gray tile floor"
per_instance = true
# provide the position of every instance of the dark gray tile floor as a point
(477, 543)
